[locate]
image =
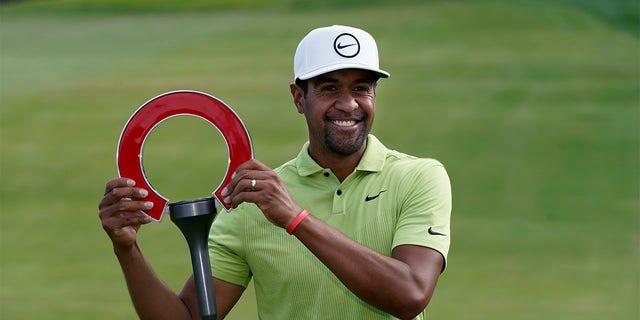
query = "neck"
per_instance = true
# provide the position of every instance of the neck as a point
(341, 165)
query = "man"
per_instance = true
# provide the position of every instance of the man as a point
(347, 230)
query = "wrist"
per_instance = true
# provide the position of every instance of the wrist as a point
(296, 221)
(123, 251)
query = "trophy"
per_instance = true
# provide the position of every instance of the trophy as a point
(193, 217)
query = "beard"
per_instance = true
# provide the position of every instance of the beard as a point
(345, 144)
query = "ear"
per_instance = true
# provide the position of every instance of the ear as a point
(298, 97)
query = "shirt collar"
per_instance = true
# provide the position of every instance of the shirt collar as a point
(372, 160)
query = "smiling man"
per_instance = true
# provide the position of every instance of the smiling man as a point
(346, 230)
(339, 109)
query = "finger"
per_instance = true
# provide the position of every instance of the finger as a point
(120, 193)
(266, 187)
(245, 196)
(243, 183)
(248, 168)
(124, 207)
(118, 183)
(132, 219)
(125, 218)
(243, 176)
(252, 164)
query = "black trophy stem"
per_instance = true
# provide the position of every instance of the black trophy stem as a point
(194, 219)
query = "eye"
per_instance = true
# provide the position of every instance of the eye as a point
(328, 88)
(363, 89)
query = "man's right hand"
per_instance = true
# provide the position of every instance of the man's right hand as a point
(120, 211)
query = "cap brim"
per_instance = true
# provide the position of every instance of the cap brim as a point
(341, 66)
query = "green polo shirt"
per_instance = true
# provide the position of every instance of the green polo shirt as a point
(390, 199)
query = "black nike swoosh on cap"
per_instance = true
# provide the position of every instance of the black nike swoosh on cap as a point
(341, 46)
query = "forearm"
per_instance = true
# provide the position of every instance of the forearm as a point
(151, 298)
(384, 282)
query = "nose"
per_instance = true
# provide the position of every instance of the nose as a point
(346, 102)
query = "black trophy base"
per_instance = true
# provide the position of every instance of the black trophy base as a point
(194, 219)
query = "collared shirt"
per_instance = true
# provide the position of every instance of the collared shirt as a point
(390, 199)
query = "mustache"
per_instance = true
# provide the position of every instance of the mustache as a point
(355, 114)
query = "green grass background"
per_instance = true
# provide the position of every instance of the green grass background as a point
(533, 106)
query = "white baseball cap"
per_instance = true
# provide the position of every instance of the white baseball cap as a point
(334, 48)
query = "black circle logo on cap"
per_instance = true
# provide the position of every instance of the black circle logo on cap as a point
(346, 45)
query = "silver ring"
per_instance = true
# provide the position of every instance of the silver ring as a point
(253, 184)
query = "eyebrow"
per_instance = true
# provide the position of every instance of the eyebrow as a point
(324, 79)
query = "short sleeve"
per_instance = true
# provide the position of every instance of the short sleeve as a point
(425, 213)
(226, 248)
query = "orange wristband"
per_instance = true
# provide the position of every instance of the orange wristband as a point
(297, 221)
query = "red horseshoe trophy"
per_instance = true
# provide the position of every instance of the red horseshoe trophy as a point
(193, 217)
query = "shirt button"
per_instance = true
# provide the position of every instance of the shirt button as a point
(326, 174)
(339, 192)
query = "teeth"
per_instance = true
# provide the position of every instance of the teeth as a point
(344, 123)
